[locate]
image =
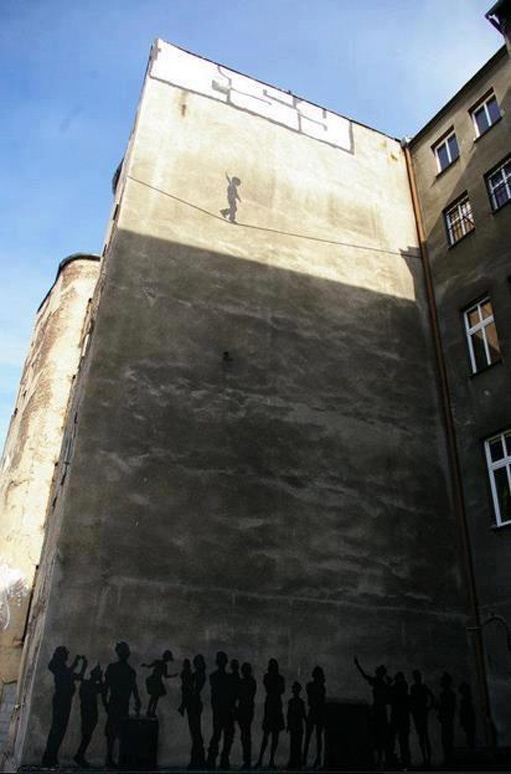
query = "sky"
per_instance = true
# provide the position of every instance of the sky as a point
(72, 72)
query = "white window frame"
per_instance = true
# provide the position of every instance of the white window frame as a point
(457, 214)
(506, 176)
(504, 462)
(484, 106)
(472, 330)
(445, 142)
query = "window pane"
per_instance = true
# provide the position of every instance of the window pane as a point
(486, 309)
(453, 147)
(443, 159)
(473, 317)
(493, 109)
(508, 444)
(501, 194)
(503, 494)
(493, 342)
(481, 120)
(496, 450)
(479, 350)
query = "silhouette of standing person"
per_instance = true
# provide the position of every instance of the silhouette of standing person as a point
(247, 688)
(119, 686)
(194, 707)
(446, 713)
(65, 677)
(400, 717)
(223, 701)
(186, 677)
(316, 696)
(273, 719)
(381, 697)
(232, 198)
(421, 702)
(154, 683)
(467, 715)
(296, 718)
(89, 691)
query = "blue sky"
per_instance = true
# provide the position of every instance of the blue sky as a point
(72, 72)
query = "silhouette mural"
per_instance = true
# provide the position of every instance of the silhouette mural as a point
(233, 692)
(232, 198)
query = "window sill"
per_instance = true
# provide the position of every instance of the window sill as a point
(497, 527)
(444, 170)
(461, 239)
(476, 139)
(485, 369)
(494, 212)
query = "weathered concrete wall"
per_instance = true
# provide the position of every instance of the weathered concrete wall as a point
(477, 266)
(258, 463)
(33, 445)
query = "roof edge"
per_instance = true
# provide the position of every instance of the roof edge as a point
(62, 265)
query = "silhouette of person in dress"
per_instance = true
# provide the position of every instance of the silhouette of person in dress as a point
(223, 703)
(400, 718)
(65, 678)
(186, 685)
(232, 198)
(89, 691)
(381, 697)
(119, 686)
(296, 719)
(193, 708)
(273, 719)
(154, 683)
(246, 692)
(316, 696)
(467, 715)
(421, 702)
(446, 713)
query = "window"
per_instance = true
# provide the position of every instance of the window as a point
(499, 185)
(485, 115)
(446, 152)
(498, 459)
(482, 340)
(459, 220)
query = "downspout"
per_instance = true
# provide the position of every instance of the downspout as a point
(459, 505)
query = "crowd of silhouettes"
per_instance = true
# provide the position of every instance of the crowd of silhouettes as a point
(233, 690)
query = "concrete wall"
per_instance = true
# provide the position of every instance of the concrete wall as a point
(33, 446)
(478, 265)
(258, 463)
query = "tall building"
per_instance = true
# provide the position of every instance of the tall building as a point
(268, 445)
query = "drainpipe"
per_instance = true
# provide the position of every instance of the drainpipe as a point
(459, 505)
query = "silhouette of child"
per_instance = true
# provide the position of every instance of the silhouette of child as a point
(89, 691)
(467, 714)
(186, 685)
(316, 696)
(154, 683)
(296, 718)
(232, 197)
(273, 719)
(446, 713)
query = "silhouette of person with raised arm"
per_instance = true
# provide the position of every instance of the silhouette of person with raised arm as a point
(232, 197)
(154, 683)
(247, 688)
(316, 697)
(223, 701)
(421, 702)
(119, 686)
(193, 707)
(273, 718)
(89, 691)
(446, 713)
(400, 718)
(467, 715)
(65, 678)
(381, 697)
(296, 719)
(186, 676)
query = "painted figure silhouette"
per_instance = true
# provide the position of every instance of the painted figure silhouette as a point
(232, 198)
(421, 702)
(154, 683)
(89, 691)
(223, 702)
(186, 685)
(65, 678)
(119, 686)
(316, 696)
(467, 714)
(446, 713)
(193, 708)
(247, 688)
(400, 718)
(273, 719)
(296, 718)
(381, 697)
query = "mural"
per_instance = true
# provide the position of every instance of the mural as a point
(232, 197)
(232, 700)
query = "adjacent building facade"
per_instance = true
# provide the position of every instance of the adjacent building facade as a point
(256, 455)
